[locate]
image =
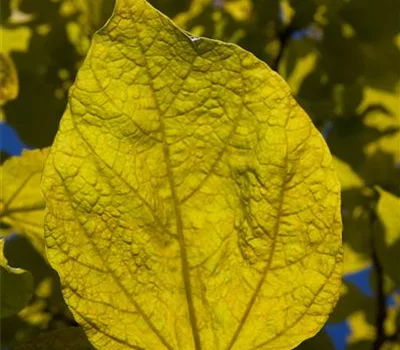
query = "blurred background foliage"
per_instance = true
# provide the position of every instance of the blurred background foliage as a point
(341, 59)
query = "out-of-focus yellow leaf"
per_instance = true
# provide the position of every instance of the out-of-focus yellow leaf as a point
(389, 144)
(360, 328)
(191, 202)
(388, 211)
(391, 323)
(16, 286)
(348, 177)
(303, 66)
(8, 79)
(287, 11)
(240, 10)
(388, 234)
(196, 8)
(354, 261)
(15, 39)
(391, 345)
(90, 16)
(355, 219)
(21, 203)
(36, 314)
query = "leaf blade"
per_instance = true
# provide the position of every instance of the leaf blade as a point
(205, 139)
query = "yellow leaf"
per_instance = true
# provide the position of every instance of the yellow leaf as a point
(21, 203)
(388, 211)
(191, 202)
(240, 10)
(354, 261)
(360, 328)
(16, 286)
(348, 178)
(388, 234)
(8, 79)
(15, 39)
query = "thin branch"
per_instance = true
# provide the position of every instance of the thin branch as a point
(284, 39)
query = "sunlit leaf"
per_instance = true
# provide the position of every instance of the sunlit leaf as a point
(16, 286)
(361, 329)
(8, 79)
(355, 261)
(298, 62)
(191, 202)
(15, 39)
(388, 240)
(348, 178)
(383, 153)
(22, 205)
(392, 324)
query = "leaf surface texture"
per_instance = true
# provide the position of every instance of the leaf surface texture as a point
(191, 202)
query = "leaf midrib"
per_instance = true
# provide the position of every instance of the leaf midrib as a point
(176, 206)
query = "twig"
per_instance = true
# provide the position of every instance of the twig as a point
(283, 38)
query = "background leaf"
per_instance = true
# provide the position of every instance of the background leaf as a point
(22, 205)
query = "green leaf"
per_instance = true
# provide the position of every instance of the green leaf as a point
(21, 203)
(16, 286)
(71, 338)
(191, 202)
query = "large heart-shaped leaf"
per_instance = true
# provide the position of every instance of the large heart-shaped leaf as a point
(191, 202)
